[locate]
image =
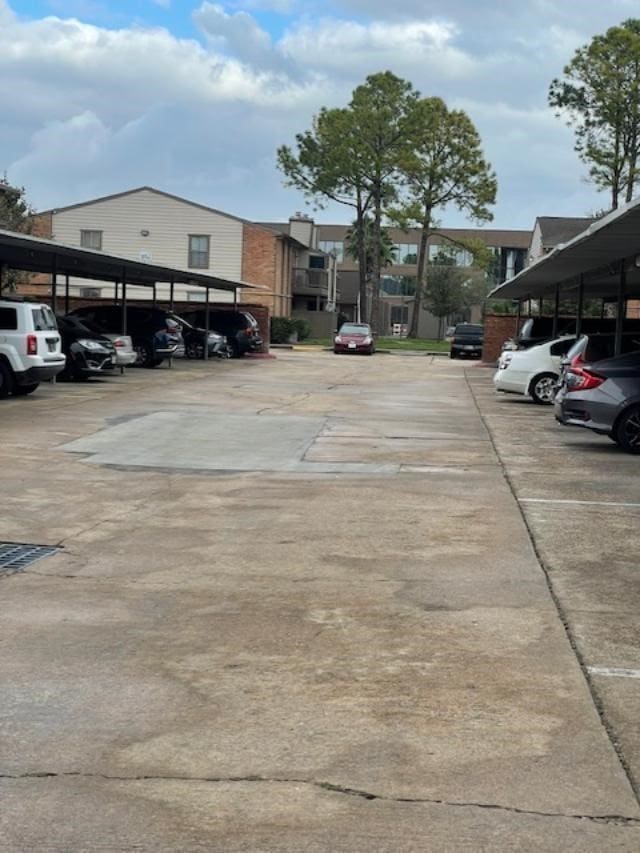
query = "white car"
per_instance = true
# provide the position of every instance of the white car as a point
(534, 371)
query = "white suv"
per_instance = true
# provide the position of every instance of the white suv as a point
(30, 346)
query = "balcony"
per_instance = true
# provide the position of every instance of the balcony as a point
(310, 282)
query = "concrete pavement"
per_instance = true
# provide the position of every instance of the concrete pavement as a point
(296, 607)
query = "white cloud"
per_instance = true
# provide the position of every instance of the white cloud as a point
(237, 33)
(348, 46)
(89, 111)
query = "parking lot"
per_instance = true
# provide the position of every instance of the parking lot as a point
(313, 603)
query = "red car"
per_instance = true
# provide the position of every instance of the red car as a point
(354, 337)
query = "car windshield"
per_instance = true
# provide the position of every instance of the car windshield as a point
(469, 329)
(354, 329)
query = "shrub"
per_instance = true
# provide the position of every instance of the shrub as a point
(303, 328)
(282, 328)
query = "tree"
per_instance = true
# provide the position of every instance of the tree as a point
(445, 167)
(452, 288)
(15, 215)
(600, 99)
(386, 250)
(350, 156)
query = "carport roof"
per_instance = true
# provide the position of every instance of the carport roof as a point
(37, 254)
(596, 253)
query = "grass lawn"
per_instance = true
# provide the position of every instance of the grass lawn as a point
(389, 343)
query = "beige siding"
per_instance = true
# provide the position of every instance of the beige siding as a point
(169, 222)
(535, 248)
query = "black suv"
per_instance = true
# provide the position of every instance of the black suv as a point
(154, 339)
(467, 340)
(239, 327)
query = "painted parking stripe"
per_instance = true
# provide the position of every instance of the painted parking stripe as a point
(613, 671)
(578, 503)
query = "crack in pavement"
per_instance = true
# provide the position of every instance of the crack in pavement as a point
(622, 820)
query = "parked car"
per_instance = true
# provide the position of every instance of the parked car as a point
(467, 340)
(533, 372)
(604, 397)
(194, 339)
(123, 344)
(30, 346)
(239, 327)
(153, 340)
(88, 354)
(596, 347)
(355, 338)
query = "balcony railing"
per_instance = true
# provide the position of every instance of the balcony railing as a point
(308, 282)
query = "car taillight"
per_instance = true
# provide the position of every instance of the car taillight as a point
(248, 332)
(118, 342)
(582, 379)
(577, 360)
(32, 345)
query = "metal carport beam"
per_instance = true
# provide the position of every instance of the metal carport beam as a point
(594, 254)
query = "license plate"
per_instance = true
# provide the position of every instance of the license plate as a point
(467, 346)
(352, 345)
(52, 345)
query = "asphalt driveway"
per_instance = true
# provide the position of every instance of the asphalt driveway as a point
(297, 606)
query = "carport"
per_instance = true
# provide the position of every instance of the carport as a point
(28, 253)
(602, 262)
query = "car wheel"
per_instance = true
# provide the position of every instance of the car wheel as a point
(543, 389)
(145, 356)
(194, 350)
(452, 354)
(7, 383)
(627, 430)
(23, 390)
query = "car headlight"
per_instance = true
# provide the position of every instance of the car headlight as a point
(338, 339)
(87, 343)
(367, 340)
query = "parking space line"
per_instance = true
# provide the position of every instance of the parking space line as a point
(573, 502)
(613, 671)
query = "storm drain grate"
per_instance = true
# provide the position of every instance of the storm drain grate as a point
(16, 556)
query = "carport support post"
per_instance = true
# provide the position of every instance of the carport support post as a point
(124, 300)
(66, 294)
(171, 294)
(556, 312)
(622, 286)
(155, 295)
(580, 307)
(54, 283)
(206, 324)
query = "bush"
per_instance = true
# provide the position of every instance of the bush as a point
(303, 328)
(284, 330)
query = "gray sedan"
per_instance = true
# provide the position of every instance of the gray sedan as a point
(605, 398)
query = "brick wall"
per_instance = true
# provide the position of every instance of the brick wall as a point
(259, 264)
(497, 329)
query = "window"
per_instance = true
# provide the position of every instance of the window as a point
(336, 246)
(406, 253)
(460, 257)
(90, 292)
(43, 319)
(562, 347)
(8, 319)
(91, 239)
(199, 251)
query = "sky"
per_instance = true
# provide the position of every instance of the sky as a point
(194, 98)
